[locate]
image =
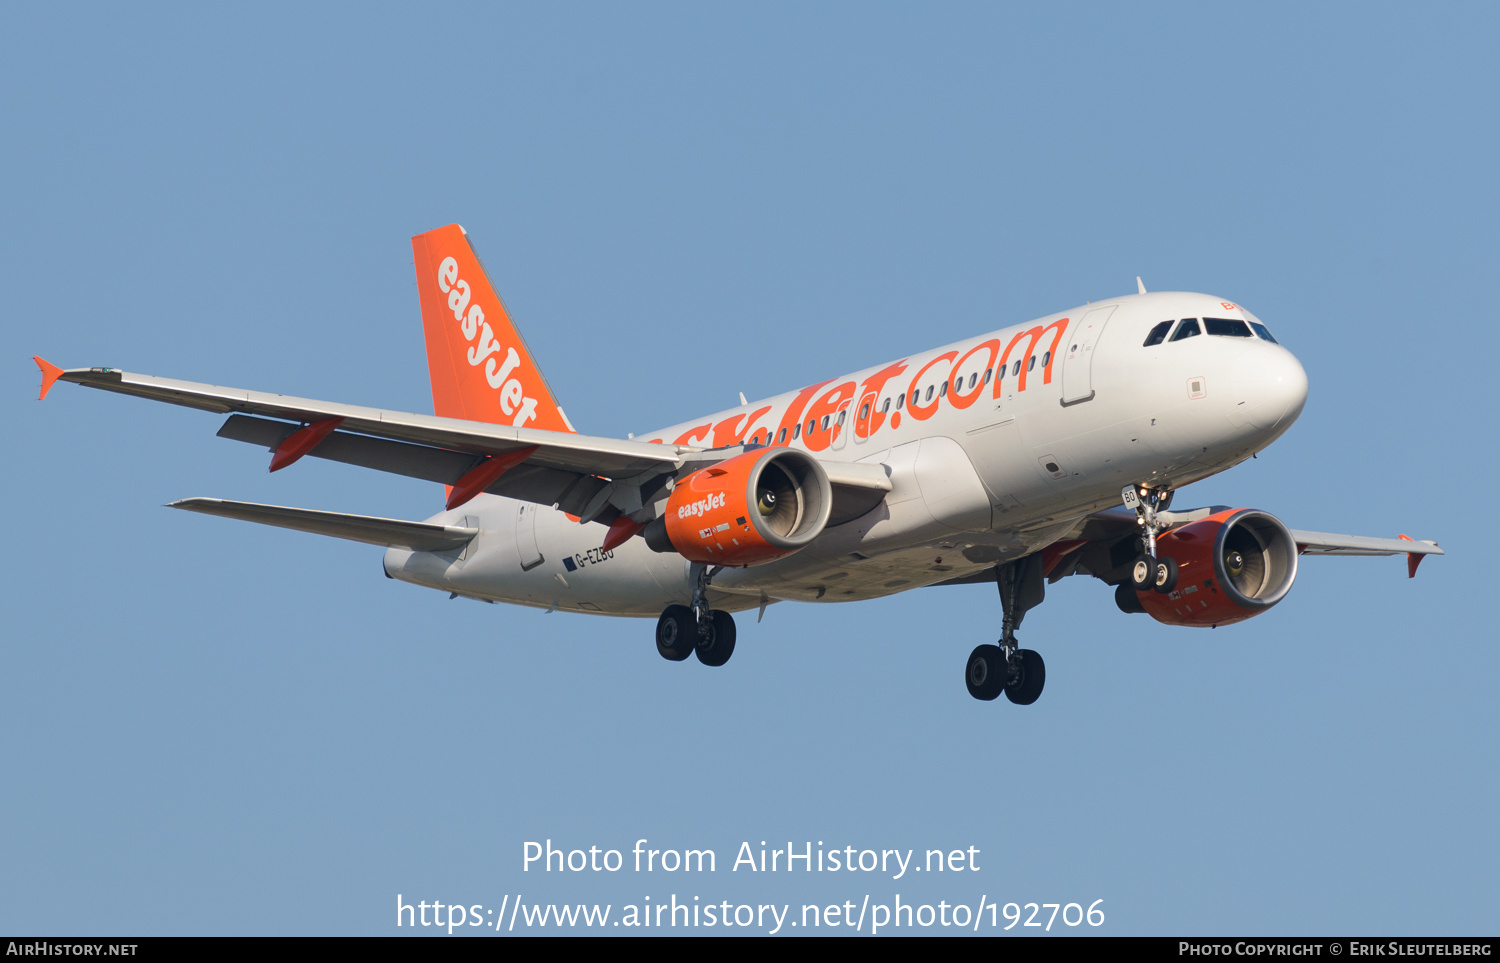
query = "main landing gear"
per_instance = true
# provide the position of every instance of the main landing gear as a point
(682, 631)
(993, 669)
(1148, 572)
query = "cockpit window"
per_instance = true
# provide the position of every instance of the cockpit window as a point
(1227, 328)
(1263, 331)
(1158, 334)
(1186, 329)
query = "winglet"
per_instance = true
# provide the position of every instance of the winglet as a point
(50, 374)
(1412, 559)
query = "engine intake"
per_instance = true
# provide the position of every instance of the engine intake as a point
(746, 510)
(1231, 565)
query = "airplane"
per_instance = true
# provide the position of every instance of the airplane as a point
(1019, 457)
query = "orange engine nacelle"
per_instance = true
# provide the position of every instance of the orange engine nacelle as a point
(1230, 566)
(746, 510)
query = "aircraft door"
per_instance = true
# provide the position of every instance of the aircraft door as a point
(865, 412)
(527, 550)
(841, 426)
(1077, 378)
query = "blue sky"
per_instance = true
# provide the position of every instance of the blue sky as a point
(212, 727)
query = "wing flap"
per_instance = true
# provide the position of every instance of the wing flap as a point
(568, 490)
(442, 465)
(390, 532)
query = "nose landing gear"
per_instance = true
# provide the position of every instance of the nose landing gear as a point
(1148, 572)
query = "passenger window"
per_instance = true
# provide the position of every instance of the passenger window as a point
(899, 400)
(943, 390)
(1031, 363)
(1186, 329)
(811, 424)
(781, 437)
(1263, 331)
(1046, 359)
(825, 422)
(987, 373)
(797, 431)
(929, 392)
(1015, 369)
(864, 411)
(885, 407)
(1158, 334)
(841, 416)
(973, 380)
(1227, 328)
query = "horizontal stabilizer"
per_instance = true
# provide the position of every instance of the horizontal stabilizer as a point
(392, 532)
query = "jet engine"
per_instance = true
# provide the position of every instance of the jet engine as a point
(746, 510)
(1230, 566)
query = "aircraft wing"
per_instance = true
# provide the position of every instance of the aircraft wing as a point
(559, 449)
(593, 478)
(1325, 543)
(1102, 543)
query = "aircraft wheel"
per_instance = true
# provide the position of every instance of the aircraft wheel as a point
(1166, 575)
(1127, 600)
(676, 633)
(985, 673)
(1025, 686)
(1142, 572)
(719, 645)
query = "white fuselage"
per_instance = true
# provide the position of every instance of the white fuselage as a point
(984, 468)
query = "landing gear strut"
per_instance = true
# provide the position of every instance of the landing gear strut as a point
(1147, 571)
(682, 630)
(1006, 667)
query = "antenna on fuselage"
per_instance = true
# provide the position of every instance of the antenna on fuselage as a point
(1140, 286)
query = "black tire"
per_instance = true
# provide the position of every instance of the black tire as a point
(1142, 573)
(1127, 600)
(1166, 575)
(1031, 675)
(985, 672)
(676, 633)
(719, 645)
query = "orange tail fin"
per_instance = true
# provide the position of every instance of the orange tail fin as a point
(478, 361)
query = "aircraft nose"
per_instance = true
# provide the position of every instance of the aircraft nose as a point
(1270, 387)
